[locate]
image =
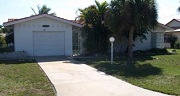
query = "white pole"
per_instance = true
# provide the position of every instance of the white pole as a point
(111, 40)
(111, 52)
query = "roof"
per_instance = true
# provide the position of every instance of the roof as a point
(170, 31)
(178, 20)
(164, 26)
(39, 16)
(174, 27)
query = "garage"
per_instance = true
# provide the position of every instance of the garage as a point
(48, 43)
(44, 35)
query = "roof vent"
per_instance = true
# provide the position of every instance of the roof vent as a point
(45, 25)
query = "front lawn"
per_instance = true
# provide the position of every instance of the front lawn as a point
(151, 71)
(23, 78)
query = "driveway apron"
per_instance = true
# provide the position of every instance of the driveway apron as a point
(73, 79)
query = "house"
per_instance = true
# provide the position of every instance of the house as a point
(47, 35)
(175, 25)
(154, 39)
(44, 35)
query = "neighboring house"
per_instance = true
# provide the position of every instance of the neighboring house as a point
(175, 25)
(154, 39)
(44, 35)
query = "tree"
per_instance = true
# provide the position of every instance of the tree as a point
(172, 39)
(135, 17)
(2, 41)
(43, 10)
(178, 9)
(95, 31)
(3, 29)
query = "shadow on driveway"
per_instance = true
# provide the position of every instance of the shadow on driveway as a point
(51, 58)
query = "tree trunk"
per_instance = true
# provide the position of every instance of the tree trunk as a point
(130, 46)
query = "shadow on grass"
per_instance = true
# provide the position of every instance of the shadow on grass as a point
(123, 70)
(120, 67)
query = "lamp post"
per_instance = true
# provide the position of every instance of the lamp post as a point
(111, 39)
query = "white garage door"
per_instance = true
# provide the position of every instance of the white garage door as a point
(48, 43)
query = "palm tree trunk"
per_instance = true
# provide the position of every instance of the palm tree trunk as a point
(130, 47)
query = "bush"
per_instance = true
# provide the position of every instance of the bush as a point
(2, 41)
(152, 51)
(6, 49)
(177, 44)
(158, 50)
(10, 38)
(172, 39)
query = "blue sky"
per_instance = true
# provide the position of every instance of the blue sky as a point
(167, 9)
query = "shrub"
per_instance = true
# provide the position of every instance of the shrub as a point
(158, 50)
(2, 41)
(172, 39)
(10, 38)
(177, 44)
(152, 51)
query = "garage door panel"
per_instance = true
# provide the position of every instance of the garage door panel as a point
(48, 43)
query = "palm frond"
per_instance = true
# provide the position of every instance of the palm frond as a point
(33, 11)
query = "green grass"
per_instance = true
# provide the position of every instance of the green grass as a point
(151, 71)
(23, 78)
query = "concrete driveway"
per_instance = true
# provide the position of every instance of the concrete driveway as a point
(71, 79)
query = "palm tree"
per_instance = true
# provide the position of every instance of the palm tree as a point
(94, 29)
(43, 10)
(136, 17)
(1, 28)
(178, 9)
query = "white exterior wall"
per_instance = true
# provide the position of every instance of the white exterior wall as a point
(159, 36)
(160, 40)
(144, 45)
(23, 33)
(147, 44)
(177, 34)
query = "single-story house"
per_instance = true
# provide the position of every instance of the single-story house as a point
(175, 25)
(154, 39)
(44, 35)
(47, 35)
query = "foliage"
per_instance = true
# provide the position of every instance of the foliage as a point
(178, 9)
(2, 41)
(153, 51)
(158, 51)
(177, 44)
(135, 17)
(6, 49)
(10, 38)
(3, 29)
(158, 72)
(43, 10)
(172, 39)
(95, 31)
